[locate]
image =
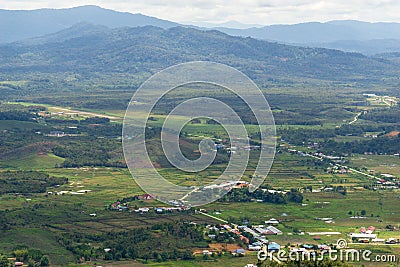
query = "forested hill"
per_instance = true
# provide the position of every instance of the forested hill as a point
(87, 50)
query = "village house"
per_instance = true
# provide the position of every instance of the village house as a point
(254, 248)
(272, 221)
(146, 197)
(142, 210)
(270, 230)
(239, 252)
(273, 247)
(56, 134)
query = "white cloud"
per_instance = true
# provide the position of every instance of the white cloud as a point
(245, 11)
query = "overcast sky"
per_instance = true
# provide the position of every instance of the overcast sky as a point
(244, 11)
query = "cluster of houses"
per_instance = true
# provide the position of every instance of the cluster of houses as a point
(333, 158)
(124, 207)
(236, 232)
(385, 184)
(338, 170)
(56, 134)
(228, 185)
(309, 249)
(271, 246)
(302, 249)
(298, 152)
(388, 181)
(258, 232)
(61, 193)
(269, 230)
(119, 206)
(59, 133)
(323, 189)
(319, 155)
(233, 148)
(272, 191)
(367, 235)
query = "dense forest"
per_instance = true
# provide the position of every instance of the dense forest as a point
(24, 182)
(161, 242)
(244, 195)
(382, 146)
(391, 115)
(326, 139)
(89, 151)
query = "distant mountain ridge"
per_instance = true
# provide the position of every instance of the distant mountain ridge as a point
(86, 48)
(346, 35)
(317, 32)
(74, 31)
(372, 47)
(16, 25)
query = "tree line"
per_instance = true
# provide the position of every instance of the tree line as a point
(244, 195)
(161, 242)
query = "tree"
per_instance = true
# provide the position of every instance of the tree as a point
(187, 255)
(44, 261)
(4, 261)
(21, 254)
(159, 258)
(363, 213)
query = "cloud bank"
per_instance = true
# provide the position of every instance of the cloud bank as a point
(245, 11)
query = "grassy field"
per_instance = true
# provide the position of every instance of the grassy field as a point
(379, 163)
(37, 238)
(226, 260)
(42, 161)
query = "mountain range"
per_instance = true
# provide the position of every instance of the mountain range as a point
(16, 25)
(94, 54)
(347, 35)
(87, 48)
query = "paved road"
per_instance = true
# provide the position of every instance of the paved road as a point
(343, 166)
(84, 113)
(356, 118)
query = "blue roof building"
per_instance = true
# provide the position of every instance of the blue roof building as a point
(274, 247)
